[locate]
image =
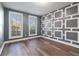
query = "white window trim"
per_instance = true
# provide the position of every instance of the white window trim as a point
(29, 26)
(10, 37)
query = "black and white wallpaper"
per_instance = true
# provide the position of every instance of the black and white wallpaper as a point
(62, 24)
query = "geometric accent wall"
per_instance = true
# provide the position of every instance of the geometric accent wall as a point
(62, 24)
(47, 26)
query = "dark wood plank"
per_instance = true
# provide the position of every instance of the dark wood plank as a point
(39, 47)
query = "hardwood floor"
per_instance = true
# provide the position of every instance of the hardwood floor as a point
(39, 47)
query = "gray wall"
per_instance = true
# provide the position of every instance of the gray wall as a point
(25, 23)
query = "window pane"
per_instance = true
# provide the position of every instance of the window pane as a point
(32, 24)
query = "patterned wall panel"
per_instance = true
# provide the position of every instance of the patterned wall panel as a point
(58, 34)
(72, 23)
(58, 14)
(72, 10)
(72, 36)
(58, 24)
(63, 24)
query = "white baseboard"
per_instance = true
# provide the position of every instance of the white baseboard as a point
(76, 46)
(21, 39)
(11, 41)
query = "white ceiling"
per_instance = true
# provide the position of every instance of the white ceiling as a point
(36, 8)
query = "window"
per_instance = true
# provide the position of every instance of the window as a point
(32, 25)
(15, 25)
